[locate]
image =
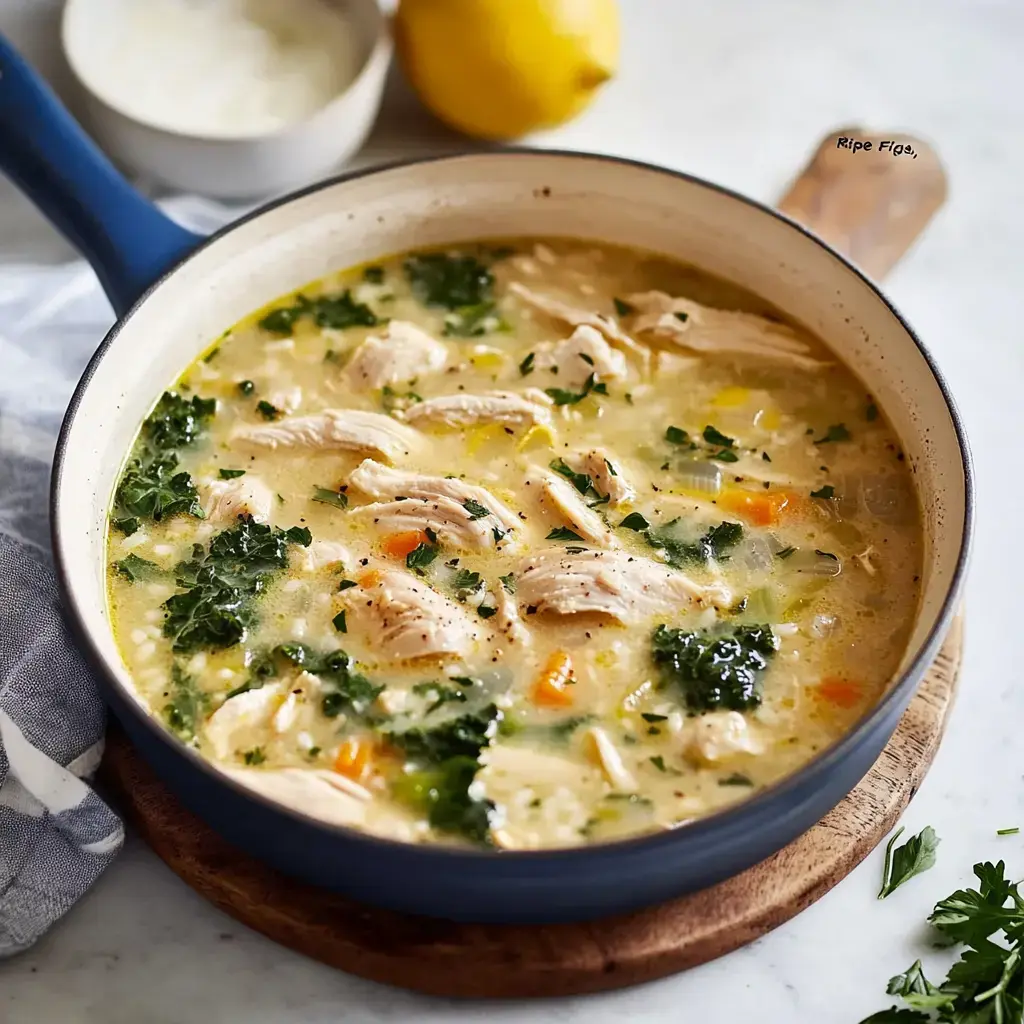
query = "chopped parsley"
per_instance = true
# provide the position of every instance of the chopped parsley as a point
(581, 481)
(837, 432)
(346, 585)
(466, 582)
(390, 399)
(826, 492)
(623, 308)
(339, 622)
(659, 762)
(254, 756)
(230, 474)
(648, 717)
(246, 387)
(725, 455)
(563, 533)
(526, 366)
(634, 521)
(562, 397)
(421, 556)
(682, 317)
(736, 779)
(485, 611)
(268, 411)
(508, 582)
(475, 509)
(373, 275)
(676, 435)
(328, 497)
(715, 437)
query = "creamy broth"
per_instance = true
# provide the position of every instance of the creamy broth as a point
(530, 544)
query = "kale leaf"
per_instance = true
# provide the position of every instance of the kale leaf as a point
(715, 543)
(336, 311)
(447, 756)
(221, 583)
(133, 568)
(715, 669)
(153, 485)
(186, 705)
(449, 282)
(177, 422)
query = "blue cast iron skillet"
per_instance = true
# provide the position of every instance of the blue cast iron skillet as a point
(134, 250)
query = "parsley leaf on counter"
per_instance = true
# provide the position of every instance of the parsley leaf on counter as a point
(916, 855)
(986, 985)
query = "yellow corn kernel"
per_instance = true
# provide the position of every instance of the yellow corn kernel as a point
(479, 436)
(729, 398)
(538, 436)
(488, 360)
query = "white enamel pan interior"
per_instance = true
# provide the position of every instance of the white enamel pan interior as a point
(448, 200)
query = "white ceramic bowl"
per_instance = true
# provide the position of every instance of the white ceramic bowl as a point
(239, 167)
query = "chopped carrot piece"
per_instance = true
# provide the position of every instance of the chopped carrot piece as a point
(368, 579)
(398, 545)
(844, 693)
(551, 688)
(759, 508)
(354, 757)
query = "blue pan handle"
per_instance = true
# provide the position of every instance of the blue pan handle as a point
(45, 152)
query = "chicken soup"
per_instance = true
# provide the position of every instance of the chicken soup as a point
(523, 545)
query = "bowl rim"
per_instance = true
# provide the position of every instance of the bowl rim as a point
(378, 52)
(746, 813)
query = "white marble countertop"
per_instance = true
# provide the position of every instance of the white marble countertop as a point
(738, 93)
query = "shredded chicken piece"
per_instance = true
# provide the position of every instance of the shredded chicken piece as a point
(234, 721)
(330, 797)
(626, 587)
(864, 558)
(321, 553)
(577, 317)
(407, 619)
(332, 430)
(448, 506)
(600, 465)
(703, 329)
(507, 619)
(583, 353)
(719, 736)
(225, 500)
(514, 409)
(287, 400)
(401, 352)
(610, 760)
(568, 503)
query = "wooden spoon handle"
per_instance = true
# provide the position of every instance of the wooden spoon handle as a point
(869, 195)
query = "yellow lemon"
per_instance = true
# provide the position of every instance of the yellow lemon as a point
(497, 69)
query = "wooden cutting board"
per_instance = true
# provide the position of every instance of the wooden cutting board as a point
(872, 206)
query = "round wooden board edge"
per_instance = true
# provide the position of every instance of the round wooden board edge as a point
(446, 958)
